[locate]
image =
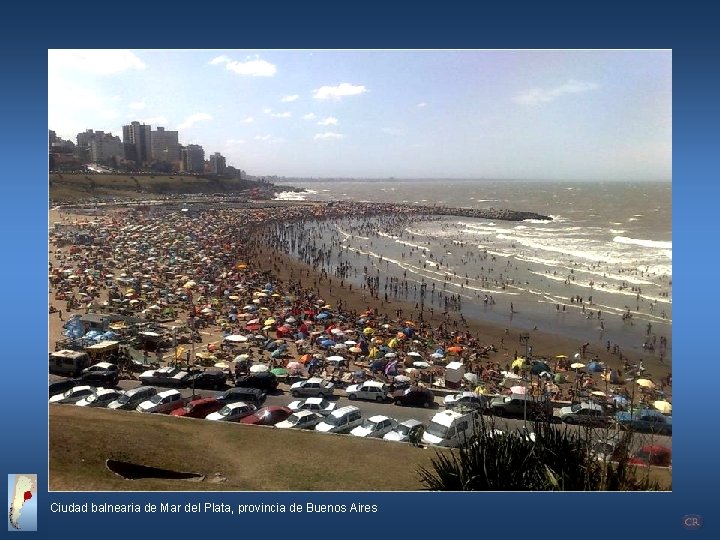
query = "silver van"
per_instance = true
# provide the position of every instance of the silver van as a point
(341, 420)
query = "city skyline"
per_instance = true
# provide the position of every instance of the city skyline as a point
(564, 115)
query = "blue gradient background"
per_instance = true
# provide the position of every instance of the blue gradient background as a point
(26, 38)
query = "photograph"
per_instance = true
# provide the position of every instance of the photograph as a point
(359, 270)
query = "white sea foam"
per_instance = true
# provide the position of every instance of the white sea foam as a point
(644, 243)
(291, 196)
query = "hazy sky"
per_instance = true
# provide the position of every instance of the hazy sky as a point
(598, 115)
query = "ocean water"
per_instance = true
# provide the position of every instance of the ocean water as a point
(607, 241)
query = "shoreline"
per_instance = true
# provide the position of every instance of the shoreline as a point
(504, 338)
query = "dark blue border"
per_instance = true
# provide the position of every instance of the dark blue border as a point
(29, 33)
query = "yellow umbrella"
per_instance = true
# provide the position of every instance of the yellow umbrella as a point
(479, 390)
(367, 331)
(663, 406)
(518, 363)
(560, 356)
(645, 383)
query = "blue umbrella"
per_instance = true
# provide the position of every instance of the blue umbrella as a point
(595, 367)
(276, 354)
(620, 400)
(323, 316)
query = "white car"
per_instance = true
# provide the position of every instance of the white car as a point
(165, 376)
(163, 402)
(375, 426)
(371, 390)
(470, 399)
(404, 430)
(73, 395)
(315, 387)
(232, 412)
(314, 404)
(300, 420)
(102, 398)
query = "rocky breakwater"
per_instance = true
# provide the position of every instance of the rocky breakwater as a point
(484, 213)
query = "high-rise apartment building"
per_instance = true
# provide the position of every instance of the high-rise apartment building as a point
(100, 147)
(217, 163)
(136, 139)
(165, 147)
(193, 158)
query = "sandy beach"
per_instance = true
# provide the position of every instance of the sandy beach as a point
(500, 344)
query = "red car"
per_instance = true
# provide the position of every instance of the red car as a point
(199, 408)
(267, 416)
(656, 455)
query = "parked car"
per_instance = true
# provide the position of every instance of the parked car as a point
(208, 380)
(656, 455)
(315, 404)
(199, 408)
(265, 381)
(406, 431)
(300, 420)
(341, 420)
(101, 366)
(73, 395)
(375, 426)
(162, 402)
(101, 398)
(519, 405)
(370, 390)
(60, 387)
(248, 395)
(232, 412)
(313, 387)
(468, 399)
(586, 414)
(645, 421)
(130, 399)
(104, 377)
(166, 376)
(415, 396)
(267, 416)
(451, 428)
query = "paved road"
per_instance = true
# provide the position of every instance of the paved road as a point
(371, 408)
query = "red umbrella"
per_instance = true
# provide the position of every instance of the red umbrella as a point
(252, 327)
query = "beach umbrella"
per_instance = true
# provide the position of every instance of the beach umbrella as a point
(241, 358)
(290, 320)
(560, 356)
(415, 354)
(335, 359)
(645, 383)
(472, 377)
(598, 393)
(663, 406)
(355, 350)
(322, 316)
(479, 390)
(455, 349)
(402, 378)
(437, 355)
(539, 367)
(233, 297)
(421, 365)
(368, 331)
(207, 311)
(390, 355)
(279, 372)
(305, 358)
(250, 307)
(350, 342)
(277, 353)
(559, 378)
(294, 366)
(595, 367)
(518, 363)
(270, 321)
(577, 365)
(259, 368)
(620, 400)
(222, 365)
(518, 389)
